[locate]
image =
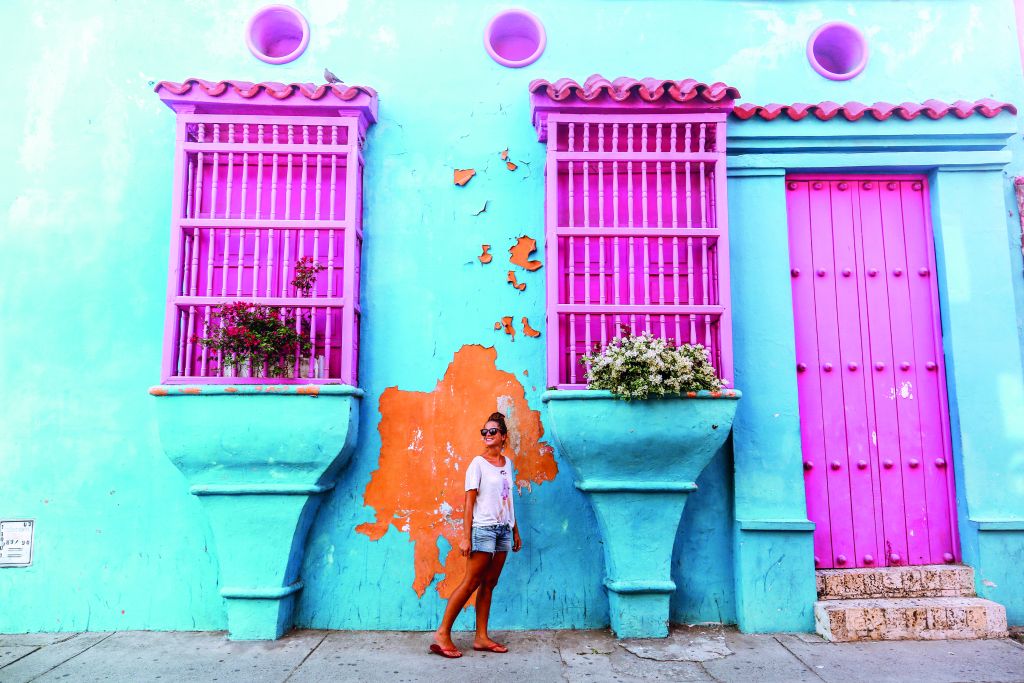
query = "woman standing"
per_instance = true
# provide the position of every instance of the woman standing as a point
(489, 532)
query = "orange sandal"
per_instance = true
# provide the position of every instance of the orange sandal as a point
(449, 652)
(493, 647)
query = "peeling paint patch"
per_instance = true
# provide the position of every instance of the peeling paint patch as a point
(506, 322)
(484, 256)
(497, 326)
(160, 391)
(463, 175)
(424, 496)
(504, 154)
(191, 390)
(520, 253)
(308, 390)
(529, 331)
(510, 166)
(512, 281)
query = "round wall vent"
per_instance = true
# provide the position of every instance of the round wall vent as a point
(515, 38)
(277, 34)
(837, 50)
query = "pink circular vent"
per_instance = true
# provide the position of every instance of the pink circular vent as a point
(277, 34)
(515, 38)
(837, 50)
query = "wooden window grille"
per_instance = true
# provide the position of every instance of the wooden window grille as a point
(260, 185)
(635, 221)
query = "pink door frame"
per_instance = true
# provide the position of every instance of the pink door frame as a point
(870, 372)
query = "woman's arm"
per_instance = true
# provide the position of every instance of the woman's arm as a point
(466, 544)
(517, 542)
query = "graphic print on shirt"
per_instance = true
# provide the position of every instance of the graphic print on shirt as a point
(506, 498)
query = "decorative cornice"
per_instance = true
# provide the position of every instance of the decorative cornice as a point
(278, 91)
(624, 88)
(880, 111)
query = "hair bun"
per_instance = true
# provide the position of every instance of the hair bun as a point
(500, 420)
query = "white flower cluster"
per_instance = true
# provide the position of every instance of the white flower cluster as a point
(643, 366)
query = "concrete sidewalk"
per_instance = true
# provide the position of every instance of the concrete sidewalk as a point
(688, 654)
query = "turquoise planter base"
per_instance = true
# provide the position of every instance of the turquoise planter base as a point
(259, 619)
(639, 615)
(259, 459)
(637, 463)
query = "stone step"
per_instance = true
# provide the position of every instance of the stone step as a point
(927, 581)
(952, 618)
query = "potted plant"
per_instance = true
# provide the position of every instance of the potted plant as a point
(638, 438)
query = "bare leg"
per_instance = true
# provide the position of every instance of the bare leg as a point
(476, 567)
(483, 599)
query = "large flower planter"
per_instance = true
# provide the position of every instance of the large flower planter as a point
(637, 462)
(259, 458)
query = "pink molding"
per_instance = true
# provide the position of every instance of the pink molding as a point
(852, 111)
(277, 34)
(837, 50)
(515, 38)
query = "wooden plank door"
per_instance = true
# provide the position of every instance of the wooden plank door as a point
(873, 410)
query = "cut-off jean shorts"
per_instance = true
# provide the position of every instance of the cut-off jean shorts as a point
(496, 538)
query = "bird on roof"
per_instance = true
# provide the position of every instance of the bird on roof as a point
(330, 77)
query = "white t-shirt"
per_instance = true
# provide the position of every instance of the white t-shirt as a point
(494, 492)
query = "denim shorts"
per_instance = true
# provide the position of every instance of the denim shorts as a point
(496, 538)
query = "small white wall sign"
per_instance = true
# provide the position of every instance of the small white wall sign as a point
(16, 542)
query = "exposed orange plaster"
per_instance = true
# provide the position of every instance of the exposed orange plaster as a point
(191, 390)
(231, 390)
(512, 281)
(308, 390)
(526, 373)
(160, 391)
(428, 440)
(510, 166)
(504, 154)
(462, 175)
(497, 326)
(529, 331)
(506, 322)
(521, 251)
(485, 257)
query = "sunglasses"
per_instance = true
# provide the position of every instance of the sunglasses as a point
(489, 432)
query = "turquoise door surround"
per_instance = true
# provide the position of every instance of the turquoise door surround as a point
(964, 161)
(637, 462)
(259, 458)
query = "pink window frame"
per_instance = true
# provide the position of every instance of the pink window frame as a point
(718, 309)
(266, 113)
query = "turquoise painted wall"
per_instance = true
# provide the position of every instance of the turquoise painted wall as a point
(85, 194)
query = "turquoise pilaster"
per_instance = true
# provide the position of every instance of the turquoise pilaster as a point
(637, 462)
(986, 397)
(259, 458)
(774, 547)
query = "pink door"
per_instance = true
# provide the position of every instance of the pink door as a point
(873, 412)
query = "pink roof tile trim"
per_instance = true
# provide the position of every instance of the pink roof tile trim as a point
(279, 91)
(647, 89)
(852, 111)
